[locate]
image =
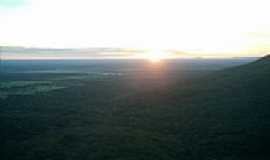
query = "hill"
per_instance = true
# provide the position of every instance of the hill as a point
(232, 110)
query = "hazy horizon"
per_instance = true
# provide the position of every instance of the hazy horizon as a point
(25, 53)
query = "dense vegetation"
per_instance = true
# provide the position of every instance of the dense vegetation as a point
(149, 113)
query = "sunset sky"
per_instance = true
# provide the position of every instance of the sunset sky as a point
(197, 27)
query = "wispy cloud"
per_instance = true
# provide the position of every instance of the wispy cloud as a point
(66, 53)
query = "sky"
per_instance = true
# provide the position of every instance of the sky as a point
(196, 27)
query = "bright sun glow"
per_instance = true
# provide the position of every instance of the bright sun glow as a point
(156, 55)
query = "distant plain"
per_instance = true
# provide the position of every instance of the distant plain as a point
(134, 109)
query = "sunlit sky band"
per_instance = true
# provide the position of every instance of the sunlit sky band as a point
(199, 28)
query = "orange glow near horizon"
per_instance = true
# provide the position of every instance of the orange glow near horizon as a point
(156, 56)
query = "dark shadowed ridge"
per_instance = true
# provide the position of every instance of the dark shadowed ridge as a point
(249, 80)
(233, 107)
(262, 62)
(254, 71)
(264, 59)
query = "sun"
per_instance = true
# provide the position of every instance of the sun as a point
(156, 56)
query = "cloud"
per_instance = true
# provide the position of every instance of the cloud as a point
(8, 52)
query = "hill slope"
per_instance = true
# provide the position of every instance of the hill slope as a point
(232, 109)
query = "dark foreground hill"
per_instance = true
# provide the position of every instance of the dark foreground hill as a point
(232, 112)
(224, 115)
